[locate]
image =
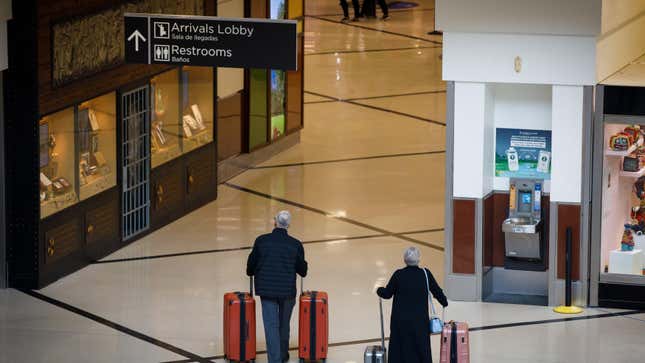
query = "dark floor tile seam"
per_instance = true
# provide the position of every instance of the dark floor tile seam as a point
(332, 99)
(397, 95)
(118, 327)
(329, 215)
(370, 50)
(323, 101)
(626, 317)
(482, 328)
(392, 11)
(380, 109)
(232, 249)
(243, 248)
(384, 156)
(374, 29)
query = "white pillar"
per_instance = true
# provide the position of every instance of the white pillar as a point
(469, 140)
(566, 138)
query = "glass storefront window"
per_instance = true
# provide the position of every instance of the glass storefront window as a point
(96, 121)
(278, 103)
(278, 99)
(57, 169)
(165, 125)
(623, 200)
(198, 117)
(258, 108)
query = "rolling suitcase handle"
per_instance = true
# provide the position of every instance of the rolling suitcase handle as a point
(380, 306)
(251, 285)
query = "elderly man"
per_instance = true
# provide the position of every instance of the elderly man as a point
(274, 261)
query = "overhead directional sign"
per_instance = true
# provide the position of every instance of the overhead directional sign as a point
(210, 41)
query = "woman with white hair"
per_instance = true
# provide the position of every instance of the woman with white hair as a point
(410, 320)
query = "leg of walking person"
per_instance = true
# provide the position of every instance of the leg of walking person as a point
(357, 9)
(345, 7)
(383, 5)
(271, 319)
(286, 309)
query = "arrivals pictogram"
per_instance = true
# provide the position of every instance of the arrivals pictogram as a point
(162, 30)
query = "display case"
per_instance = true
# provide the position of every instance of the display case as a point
(96, 125)
(166, 118)
(197, 106)
(57, 171)
(623, 198)
(278, 90)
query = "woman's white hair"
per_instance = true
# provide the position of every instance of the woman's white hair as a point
(411, 256)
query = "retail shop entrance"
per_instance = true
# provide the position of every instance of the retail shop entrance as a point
(135, 141)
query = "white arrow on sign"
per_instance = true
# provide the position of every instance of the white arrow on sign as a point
(136, 35)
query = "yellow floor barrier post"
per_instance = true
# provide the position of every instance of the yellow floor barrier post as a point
(567, 308)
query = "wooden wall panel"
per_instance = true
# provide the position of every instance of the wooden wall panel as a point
(568, 216)
(229, 126)
(259, 9)
(62, 240)
(489, 228)
(463, 240)
(168, 192)
(294, 93)
(201, 170)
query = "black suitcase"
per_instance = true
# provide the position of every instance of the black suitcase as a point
(369, 9)
(377, 353)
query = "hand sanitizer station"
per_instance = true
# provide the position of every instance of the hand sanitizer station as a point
(519, 122)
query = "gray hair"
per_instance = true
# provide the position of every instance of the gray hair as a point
(283, 219)
(411, 256)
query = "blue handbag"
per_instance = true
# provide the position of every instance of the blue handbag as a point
(436, 325)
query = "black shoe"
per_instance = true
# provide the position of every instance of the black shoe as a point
(286, 359)
(355, 19)
(385, 17)
(345, 19)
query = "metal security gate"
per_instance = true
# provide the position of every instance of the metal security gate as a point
(135, 136)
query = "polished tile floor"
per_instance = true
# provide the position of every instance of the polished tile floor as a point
(366, 181)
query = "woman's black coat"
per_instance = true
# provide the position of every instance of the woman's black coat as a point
(410, 321)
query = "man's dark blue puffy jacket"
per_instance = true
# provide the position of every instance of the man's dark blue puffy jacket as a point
(274, 261)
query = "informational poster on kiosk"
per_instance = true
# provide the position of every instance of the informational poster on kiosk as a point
(521, 153)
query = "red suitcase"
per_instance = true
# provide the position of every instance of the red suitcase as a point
(239, 326)
(313, 332)
(454, 343)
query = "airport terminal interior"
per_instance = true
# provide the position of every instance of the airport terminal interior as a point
(366, 181)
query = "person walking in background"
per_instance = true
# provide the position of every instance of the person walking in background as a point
(386, 12)
(275, 260)
(410, 320)
(345, 6)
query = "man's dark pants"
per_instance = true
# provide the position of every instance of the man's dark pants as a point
(276, 314)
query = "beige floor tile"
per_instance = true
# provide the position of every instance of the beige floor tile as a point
(35, 331)
(435, 238)
(179, 300)
(326, 36)
(396, 194)
(416, 23)
(340, 130)
(233, 221)
(429, 106)
(355, 75)
(311, 98)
